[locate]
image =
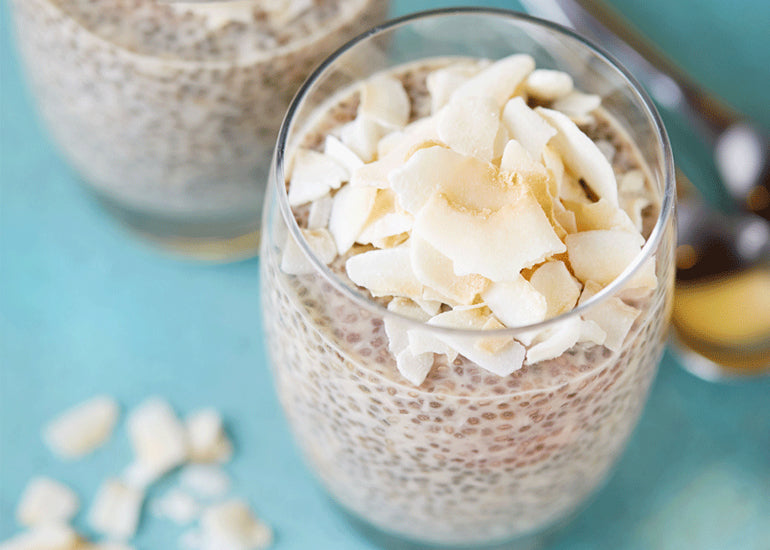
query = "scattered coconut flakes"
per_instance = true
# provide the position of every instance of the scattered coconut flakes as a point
(612, 315)
(554, 341)
(515, 302)
(233, 526)
(581, 155)
(442, 83)
(342, 155)
(601, 255)
(176, 505)
(49, 536)
(384, 100)
(206, 435)
(46, 500)
(496, 245)
(548, 84)
(115, 510)
(205, 480)
(320, 210)
(313, 176)
(435, 270)
(600, 215)
(470, 125)
(295, 262)
(414, 367)
(109, 546)
(499, 80)
(139, 475)
(157, 436)
(561, 290)
(361, 135)
(578, 106)
(527, 127)
(82, 428)
(385, 272)
(350, 211)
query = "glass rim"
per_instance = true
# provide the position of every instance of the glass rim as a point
(648, 249)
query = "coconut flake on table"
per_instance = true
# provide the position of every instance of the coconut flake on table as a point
(83, 428)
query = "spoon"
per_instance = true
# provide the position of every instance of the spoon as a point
(721, 313)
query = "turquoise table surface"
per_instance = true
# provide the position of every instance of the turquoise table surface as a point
(86, 309)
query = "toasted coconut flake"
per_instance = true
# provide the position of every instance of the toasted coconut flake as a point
(313, 176)
(396, 329)
(470, 125)
(578, 106)
(206, 437)
(115, 510)
(431, 307)
(554, 341)
(385, 273)
(561, 290)
(493, 344)
(503, 362)
(582, 156)
(642, 282)
(634, 208)
(385, 220)
(176, 505)
(590, 331)
(157, 436)
(83, 428)
(554, 165)
(205, 481)
(464, 180)
(602, 255)
(442, 83)
(414, 367)
(233, 526)
(600, 215)
(350, 210)
(342, 155)
(320, 210)
(496, 245)
(423, 341)
(527, 127)
(516, 302)
(564, 217)
(404, 141)
(632, 182)
(499, 80)
(320, 241)
(361, 135)
(46, 500)
(548, 85)
(384, 100)
(51, 536)
(517, 159)
(612, 315)
(435, 270)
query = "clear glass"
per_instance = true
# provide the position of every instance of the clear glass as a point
(169, 111)
(468, 457)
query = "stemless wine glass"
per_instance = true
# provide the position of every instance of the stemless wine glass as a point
(169, 109)
(468, 456)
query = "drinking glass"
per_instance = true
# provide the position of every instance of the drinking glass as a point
(467, 457)
(169, 110)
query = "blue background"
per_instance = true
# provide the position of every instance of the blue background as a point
(86, 309)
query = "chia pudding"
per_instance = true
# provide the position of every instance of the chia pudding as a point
(454, 453)
(169, 110)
